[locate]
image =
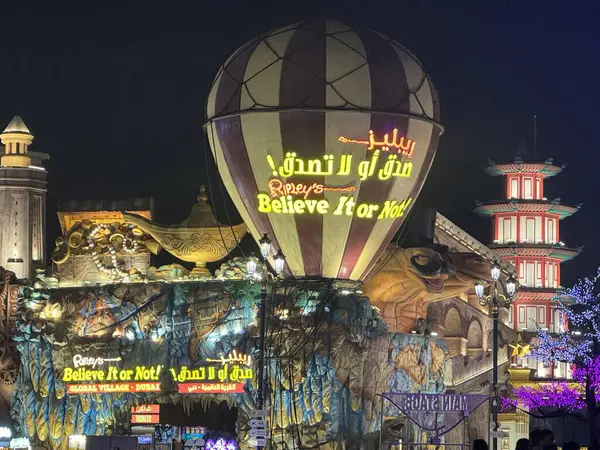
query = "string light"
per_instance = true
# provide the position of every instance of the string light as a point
(551, 395)
(580, 305)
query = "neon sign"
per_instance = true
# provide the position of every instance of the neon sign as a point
(81, 361)
(293, 165)
(229, 376)
(145, 418)
(112, 388)
(405, 146)
(233, 357)
(145, 409)
(112, 373)
(299, 197)
(346, 206)
(211, 388)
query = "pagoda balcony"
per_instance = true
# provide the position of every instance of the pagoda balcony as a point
(527, 206)
(539, 250)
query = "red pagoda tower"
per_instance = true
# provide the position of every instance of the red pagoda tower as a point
(525, 230)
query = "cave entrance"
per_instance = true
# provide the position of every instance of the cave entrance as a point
(187, 425)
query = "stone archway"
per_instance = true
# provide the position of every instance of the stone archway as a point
(452, 323)
(453, 332)
(475, 338)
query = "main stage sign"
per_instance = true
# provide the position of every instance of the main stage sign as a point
(436, 413)
(443, 403)
(435, 403)
(92, 375)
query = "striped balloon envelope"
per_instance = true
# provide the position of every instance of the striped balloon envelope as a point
(323, 136)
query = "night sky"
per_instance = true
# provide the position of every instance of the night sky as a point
(115, 94)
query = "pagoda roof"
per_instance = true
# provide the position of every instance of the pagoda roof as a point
(527, 293)
(546, 168)
(525, 206)
(558, 251)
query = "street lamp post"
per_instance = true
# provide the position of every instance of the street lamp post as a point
(278, 266)
(495, 299)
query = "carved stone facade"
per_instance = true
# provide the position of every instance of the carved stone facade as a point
(9, 356)
(467, 331)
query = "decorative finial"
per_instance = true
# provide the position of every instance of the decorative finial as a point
(202, 197)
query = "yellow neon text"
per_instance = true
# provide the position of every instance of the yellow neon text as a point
(225, 373)
(404, 145)
(293, 166)
(287, 205)
(345, 206)
(112, 373)
(392, 209)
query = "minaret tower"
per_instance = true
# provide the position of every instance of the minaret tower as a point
(22, 202)
(525, 231)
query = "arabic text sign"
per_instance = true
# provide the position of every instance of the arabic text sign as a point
(110, 388)
(145, 409)
(297, 184)
(223, 374)
(211, 388)
(145, 418)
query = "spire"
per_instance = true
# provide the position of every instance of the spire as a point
(16, 125)
(522, 152)
(16, 138)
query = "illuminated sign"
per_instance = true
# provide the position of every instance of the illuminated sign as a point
(432, 402)
(188, 433)
(225, 373)
(403, 145)
(284, 196)
(111, 388)
(145, 409)
(5, 433)
(112, 373)
(211, 388)
(229, 376)
(144, 439)
(20, 442)
(82, 361)
(293, 165)
(145, 418)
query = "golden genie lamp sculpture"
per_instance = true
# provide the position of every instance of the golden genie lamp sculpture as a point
(199, 239)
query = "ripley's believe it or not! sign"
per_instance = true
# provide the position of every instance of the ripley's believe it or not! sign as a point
(388, 158)
(91, 375)
(324, 145)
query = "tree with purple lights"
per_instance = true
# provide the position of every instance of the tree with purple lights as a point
(579, 346)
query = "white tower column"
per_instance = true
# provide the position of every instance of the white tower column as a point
(22, 202)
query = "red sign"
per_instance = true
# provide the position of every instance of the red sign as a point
(110, 388)
(145, 418)
(211, 388)
(145, 409)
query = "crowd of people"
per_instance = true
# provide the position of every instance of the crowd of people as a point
(538, 440)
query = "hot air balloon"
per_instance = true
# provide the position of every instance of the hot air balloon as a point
(323, 136)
